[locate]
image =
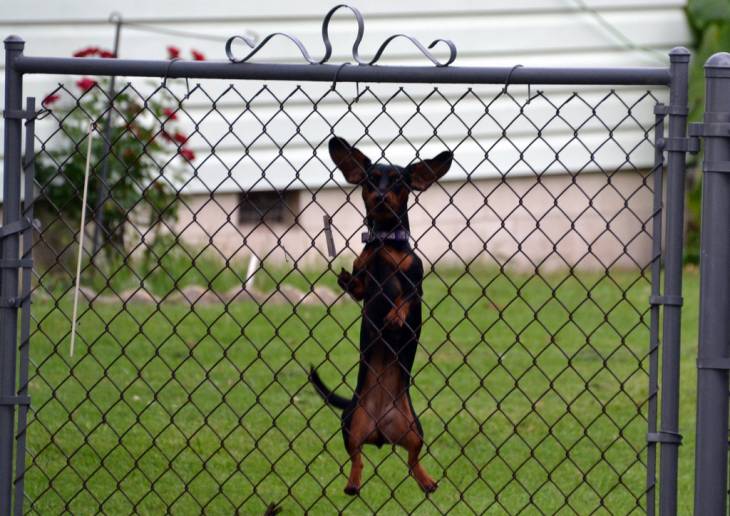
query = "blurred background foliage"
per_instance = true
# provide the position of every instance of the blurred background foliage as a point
(709, 21)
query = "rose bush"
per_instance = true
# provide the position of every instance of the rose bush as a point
(144, 156)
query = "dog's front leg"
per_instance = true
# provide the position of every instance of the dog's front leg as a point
(404, 290)
(400, 304)
(353, 284)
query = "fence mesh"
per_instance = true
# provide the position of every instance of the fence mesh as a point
(207, 295)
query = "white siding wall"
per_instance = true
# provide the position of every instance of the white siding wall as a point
(528, 32)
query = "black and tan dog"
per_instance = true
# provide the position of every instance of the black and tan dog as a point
(387, 276)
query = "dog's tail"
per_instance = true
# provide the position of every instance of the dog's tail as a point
(329, 396)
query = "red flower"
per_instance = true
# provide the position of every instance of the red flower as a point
(180, 138)
(173, 52)
(187, 154)
(170, 114)
(107, 54)
(198, 56)
(86, 52)
(85, 84)
(50, 99)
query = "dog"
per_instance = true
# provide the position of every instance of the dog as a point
(387, 276)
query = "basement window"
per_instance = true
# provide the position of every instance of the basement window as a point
(267, 206)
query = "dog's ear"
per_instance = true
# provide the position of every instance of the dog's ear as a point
(349, 160)
(424, 173)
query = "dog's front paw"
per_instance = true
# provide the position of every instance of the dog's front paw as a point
(396, 317)
(352, 285)
(344, 280)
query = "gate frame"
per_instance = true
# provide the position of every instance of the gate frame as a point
(676, 145)
(711, 449)
(10, 244)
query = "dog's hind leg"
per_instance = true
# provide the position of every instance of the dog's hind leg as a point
(359, 428)
(413, 444)
(404, 430)
(355, 478)
(410, 436)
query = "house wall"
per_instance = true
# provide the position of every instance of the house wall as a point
(560, 223)
(527, 32)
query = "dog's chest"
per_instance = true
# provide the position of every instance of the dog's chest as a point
(386, 262)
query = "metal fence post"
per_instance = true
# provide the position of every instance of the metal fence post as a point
(676, 146)
(9, 275)
(660, 111)
(714, 333)
(102, 191)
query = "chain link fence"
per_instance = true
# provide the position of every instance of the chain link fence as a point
(213, 295)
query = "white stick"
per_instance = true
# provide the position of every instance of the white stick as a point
(81, 238)
(253, 265)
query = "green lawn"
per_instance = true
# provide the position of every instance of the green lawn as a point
(531, 391)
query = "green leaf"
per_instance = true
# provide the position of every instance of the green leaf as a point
(702, 13)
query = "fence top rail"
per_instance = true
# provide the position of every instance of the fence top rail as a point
(636, 76)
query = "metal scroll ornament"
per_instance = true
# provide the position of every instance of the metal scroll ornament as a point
(328, 45)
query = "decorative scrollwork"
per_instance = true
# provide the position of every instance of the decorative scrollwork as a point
(328, 45)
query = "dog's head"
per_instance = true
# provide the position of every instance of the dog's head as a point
(385, 188)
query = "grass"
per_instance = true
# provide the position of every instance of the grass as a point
(168, 265)
(532, 396)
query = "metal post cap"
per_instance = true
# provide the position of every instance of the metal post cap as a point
(718, 65)
(679, 55)
(718, 60)
(14, 42)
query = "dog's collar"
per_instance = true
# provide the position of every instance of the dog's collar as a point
(399, 235)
